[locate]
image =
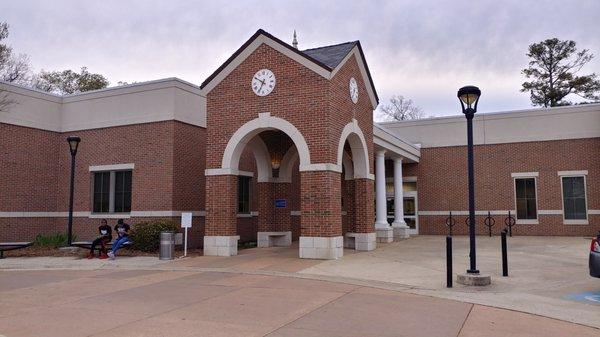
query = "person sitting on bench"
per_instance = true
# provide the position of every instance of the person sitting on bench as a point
(122, 230)
(104, 238)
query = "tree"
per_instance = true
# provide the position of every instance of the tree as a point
(400, 109)
(69, 81)
(552, 69)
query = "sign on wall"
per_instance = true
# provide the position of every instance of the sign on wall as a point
(280, 203)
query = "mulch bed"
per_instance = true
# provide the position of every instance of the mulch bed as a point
(37, 251)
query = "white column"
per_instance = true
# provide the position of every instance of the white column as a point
(383, 229)
(400, 227)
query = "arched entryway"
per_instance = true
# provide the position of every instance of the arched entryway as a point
(357, 189)
(278, 149)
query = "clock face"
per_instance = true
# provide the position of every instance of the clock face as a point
(263, 82)
(353, 90)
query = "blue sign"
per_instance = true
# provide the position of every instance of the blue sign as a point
(280, 203)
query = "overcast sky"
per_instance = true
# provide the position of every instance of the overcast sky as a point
(424, 50)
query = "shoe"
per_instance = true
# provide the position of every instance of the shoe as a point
(90, 256)
(111, 255)
(103, 256)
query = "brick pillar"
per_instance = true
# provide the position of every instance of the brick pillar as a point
(274, 224)
(364, 235)
(321, 220)
(348, 195)
(221, 215)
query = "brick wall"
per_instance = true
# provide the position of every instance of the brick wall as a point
(35, 172)
(442, 182)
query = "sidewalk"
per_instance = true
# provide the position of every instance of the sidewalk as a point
(544, 272)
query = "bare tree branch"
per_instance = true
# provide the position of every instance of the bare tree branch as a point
(401, 109)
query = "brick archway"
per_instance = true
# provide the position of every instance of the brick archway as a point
(358, 146)
(245, 134)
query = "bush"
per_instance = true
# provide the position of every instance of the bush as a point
(145, 235)
(53, 240)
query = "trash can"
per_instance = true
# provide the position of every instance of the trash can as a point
(167, 245)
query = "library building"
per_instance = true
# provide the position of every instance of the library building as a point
(278, 147)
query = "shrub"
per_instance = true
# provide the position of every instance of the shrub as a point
(53, 240)
(145, 235)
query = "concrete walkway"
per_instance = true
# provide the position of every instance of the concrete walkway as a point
(109, 302)
(544, 273)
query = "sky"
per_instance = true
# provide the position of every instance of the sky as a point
(423, 50)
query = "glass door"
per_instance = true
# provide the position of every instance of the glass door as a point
(410, 212)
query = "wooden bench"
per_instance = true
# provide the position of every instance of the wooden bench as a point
(4, 246)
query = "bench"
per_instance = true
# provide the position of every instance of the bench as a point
(4, 246)
(88, 245)
(274, 239)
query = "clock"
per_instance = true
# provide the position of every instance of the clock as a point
(353, 90)
(263, 82)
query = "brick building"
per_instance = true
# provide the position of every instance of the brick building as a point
(279, 145)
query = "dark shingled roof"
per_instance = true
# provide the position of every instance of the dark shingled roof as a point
(331, 56)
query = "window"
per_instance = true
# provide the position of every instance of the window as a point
(112, 192)
(574, 203)
(243, 194)
(526, 198)
(123, 191)
(101, 192)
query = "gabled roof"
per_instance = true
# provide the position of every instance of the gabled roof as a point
(323, 60)
(331, 56)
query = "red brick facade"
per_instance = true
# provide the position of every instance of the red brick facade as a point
(442, 183)
(319, 109)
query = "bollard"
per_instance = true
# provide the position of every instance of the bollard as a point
(504, 254)
(448, 261)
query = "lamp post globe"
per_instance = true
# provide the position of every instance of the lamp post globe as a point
(469, 97)
(73, 145)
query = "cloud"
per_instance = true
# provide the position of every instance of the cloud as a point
(424, 50)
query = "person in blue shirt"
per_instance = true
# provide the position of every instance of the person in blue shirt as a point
(122, 230)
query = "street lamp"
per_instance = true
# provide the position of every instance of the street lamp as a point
(469, 97)
(73, 144)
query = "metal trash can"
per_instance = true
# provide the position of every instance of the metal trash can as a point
(167, 245)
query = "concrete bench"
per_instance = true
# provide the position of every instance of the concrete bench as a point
(274, 239)
(4, 246)
(360, 241)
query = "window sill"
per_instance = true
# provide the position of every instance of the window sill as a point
(528, 222)
(247, 215)
(576, 222)
(110, 216)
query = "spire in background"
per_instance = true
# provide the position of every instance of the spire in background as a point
(295, 41)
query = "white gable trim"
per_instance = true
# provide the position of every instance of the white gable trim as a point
(363, 72)
(250, 49)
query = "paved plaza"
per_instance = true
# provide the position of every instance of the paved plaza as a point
(397, 290)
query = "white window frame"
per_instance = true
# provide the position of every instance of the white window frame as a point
(574, 174)
(526, 175)
(111, 194)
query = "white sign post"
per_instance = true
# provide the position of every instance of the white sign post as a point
(186, 222)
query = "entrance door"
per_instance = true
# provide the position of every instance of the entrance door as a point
(410, 212)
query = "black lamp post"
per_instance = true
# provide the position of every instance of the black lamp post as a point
(73, 144)
(469, 97)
